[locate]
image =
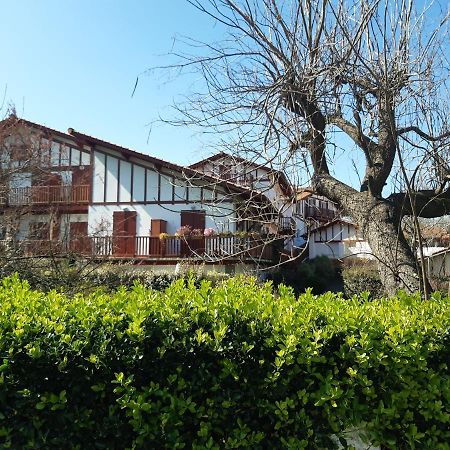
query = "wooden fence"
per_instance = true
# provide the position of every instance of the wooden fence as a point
(208, 248)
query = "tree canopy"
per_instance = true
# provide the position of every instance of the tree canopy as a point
(290, 78)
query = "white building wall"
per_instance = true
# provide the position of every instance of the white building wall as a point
(337, 241)
(358, 249)
(112, 180)
(439, 265)
(152, 186)
(75, 157)
(239, 173)
(24, 226)
(125, 182)
(138, 183)
(20, 180)
(332, 250)
(98, 181)
(101, 217)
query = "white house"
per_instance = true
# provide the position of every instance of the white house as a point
(271, 183)
(438, 264)
(338, 239)
(75, 192)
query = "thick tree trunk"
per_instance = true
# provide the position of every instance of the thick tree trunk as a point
(380, 226)
(396, 263)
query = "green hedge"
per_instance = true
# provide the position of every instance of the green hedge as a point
(74, 276)
(319, 274)
(233, 366)
(359, 276)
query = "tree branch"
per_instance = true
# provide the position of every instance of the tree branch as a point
(422, 134)
(426, 203)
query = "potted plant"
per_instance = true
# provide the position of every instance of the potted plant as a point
(209, 232)
(184, 231)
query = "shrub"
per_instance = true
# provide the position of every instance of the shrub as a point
(72, 276)
(316, 274)
(225, 367)
(359, 276)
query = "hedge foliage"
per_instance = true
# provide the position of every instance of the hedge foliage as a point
(73, 276)
(359, 276)
(318, 274)
(234, 366)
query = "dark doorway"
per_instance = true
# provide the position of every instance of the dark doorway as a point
(194, 244)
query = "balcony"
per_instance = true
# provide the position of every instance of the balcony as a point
(321, 214)
(45, 195)
(286, 225)
(208, 249)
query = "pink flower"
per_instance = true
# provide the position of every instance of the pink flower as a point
(209, 232)
(185, 230)
(197, 232)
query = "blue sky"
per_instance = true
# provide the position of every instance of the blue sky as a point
(74, 63)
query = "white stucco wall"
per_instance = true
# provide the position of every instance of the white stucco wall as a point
(338, 240)
(358, 249)
(116, 180)
(332, 250)
(20, 180)
(136, 185)
(439, 265)
(101, 217)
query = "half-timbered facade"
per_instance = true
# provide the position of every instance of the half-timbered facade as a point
(73, 192)
(272, 183)
(338, 239)
(70, 192)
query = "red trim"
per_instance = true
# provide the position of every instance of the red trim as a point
(63, 209)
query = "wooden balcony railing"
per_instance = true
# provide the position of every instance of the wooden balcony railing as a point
(210, 248)
(36, 195)
(286, 225)
(314, 212)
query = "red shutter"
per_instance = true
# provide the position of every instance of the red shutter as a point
(195, 245)
(124, 233)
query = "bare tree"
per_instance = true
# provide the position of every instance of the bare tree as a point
(20, 160)
(300, 82)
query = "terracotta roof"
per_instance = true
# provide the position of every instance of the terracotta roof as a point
(304, 193)
(14, 120)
